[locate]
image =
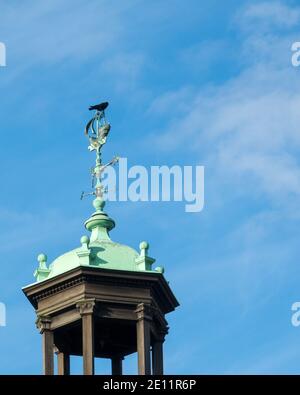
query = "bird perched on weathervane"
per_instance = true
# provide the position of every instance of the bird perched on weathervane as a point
(97, 130)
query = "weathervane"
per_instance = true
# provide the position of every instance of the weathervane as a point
(97, 130)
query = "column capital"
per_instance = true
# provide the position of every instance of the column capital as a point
(86, 306)
(159, 316)
(161, 334)
(143, 312)
(43, 323)
(86, 309)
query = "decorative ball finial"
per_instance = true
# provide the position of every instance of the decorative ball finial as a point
(42, 259)
(42, 272)
(99, 204)
(144, 245)
(85, 240)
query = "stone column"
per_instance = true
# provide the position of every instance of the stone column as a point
(116, 365)
(44, 325)
(63, 363)
(143, 338)
(86, 309)
(157, 354)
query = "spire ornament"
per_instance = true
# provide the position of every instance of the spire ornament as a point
(97, 130)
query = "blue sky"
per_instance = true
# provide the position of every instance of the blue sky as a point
(189, 83)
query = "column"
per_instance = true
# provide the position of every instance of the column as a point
(86, 308)
(116, 365)
(157, 355)
(44, 325)
(143, 338)
(63, 363)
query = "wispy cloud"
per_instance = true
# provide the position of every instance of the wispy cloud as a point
(248, 127)
(246, 132)
(267, 15)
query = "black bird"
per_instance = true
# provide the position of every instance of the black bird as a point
(99, 107)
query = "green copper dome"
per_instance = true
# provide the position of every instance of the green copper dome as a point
(98, 251)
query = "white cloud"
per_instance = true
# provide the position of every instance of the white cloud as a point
(247, 128)
(53, 32)
(270, 358)
(267, 15)
(126, 69)
(246, 131)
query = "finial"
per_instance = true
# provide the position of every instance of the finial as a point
(144, 247)
(42, 259)
(42, 272)
(83, 253)
(98, 204)
(97, 130)
(85, 240)
(143, 261)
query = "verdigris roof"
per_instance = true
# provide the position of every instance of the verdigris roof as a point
(98, 250)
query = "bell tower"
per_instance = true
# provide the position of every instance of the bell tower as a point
(102, 299)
